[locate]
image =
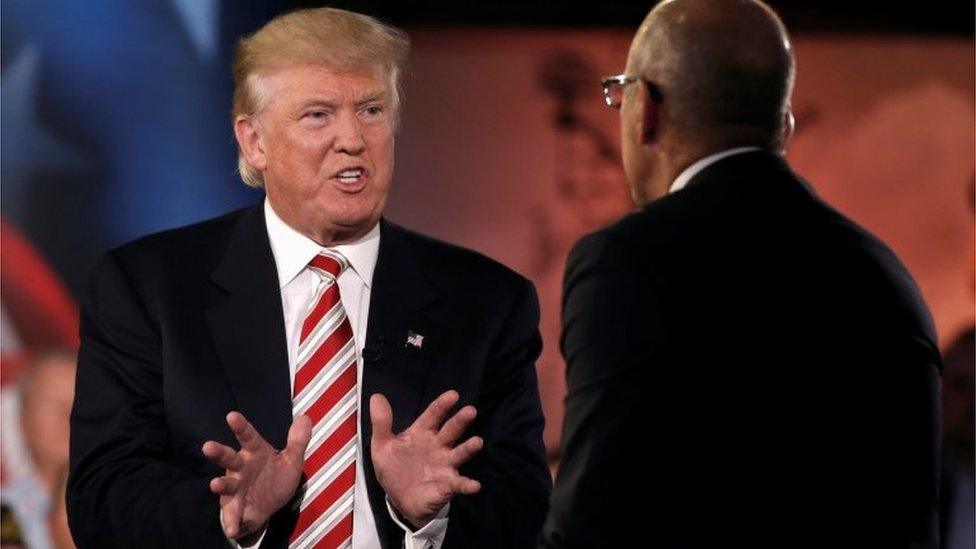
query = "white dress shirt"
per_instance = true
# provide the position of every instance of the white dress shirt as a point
(691, 171)
(298, 284)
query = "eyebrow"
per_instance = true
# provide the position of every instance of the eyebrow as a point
(367, 97)
(317, 102)
(370, 96)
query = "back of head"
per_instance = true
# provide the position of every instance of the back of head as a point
(724, 69)
(341, 39)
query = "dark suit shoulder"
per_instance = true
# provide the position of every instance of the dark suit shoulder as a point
(649, 232)
(174, 261)
(873, 269)
(757, 224)
(608, 250)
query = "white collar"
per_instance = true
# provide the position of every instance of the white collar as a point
(691, 171)
(293, 250)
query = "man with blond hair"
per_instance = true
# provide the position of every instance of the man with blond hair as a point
(305, 373)
(746, 367)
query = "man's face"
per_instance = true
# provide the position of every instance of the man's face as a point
(327, 143)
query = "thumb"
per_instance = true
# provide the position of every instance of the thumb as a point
(299, 434)
(381, 416)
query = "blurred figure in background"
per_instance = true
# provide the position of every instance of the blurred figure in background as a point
(46, 391)
(37, 314)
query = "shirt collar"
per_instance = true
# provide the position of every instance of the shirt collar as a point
(293, 250)
(691, 171)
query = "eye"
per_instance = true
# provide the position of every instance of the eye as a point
(373, 111)
(316, 117)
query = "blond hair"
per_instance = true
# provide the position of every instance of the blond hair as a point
(335, 37)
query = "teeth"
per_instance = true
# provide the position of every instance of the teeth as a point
(351, 173)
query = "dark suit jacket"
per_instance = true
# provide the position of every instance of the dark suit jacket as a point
(745, 367)
(181, 327)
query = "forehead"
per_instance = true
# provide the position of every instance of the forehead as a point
(298, 81)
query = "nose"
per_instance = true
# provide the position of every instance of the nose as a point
(349, 135)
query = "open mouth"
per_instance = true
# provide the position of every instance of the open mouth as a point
(351, 175)
(352, 179)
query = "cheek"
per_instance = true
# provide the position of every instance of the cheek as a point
(300, 143)
(380, 141)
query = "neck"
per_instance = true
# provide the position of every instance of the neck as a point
(672, 157)
(334, 237)
(668, 161)
(326, 236)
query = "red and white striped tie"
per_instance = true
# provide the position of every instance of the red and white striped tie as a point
(325, 390)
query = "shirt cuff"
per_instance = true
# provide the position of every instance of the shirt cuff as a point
(431, 536)
(234, 544)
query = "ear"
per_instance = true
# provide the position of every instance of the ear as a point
(789, 126)
(247, 132)
(650, 120)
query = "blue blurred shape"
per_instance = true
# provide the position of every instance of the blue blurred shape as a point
(116, 118)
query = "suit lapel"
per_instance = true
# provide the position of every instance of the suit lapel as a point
(246, 322)
(399, 302)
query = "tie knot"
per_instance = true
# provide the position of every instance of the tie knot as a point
(329, 263)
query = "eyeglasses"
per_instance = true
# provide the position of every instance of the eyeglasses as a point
(613, 88)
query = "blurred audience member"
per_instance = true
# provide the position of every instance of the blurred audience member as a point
(46, 393)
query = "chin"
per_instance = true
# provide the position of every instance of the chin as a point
(355, 222)
(348, 211)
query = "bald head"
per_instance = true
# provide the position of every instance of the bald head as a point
(724, 68)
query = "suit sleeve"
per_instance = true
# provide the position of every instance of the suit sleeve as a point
(600, 451)
(515, 481)
(125, 488)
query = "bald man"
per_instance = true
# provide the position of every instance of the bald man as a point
(745, 365)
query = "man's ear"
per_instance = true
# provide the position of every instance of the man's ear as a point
(789, 126)
(650, 113)
(247, 132)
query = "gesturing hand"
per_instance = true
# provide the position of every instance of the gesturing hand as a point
(418, 468)
(258, 479)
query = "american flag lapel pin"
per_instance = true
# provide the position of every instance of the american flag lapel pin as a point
(415, 340)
